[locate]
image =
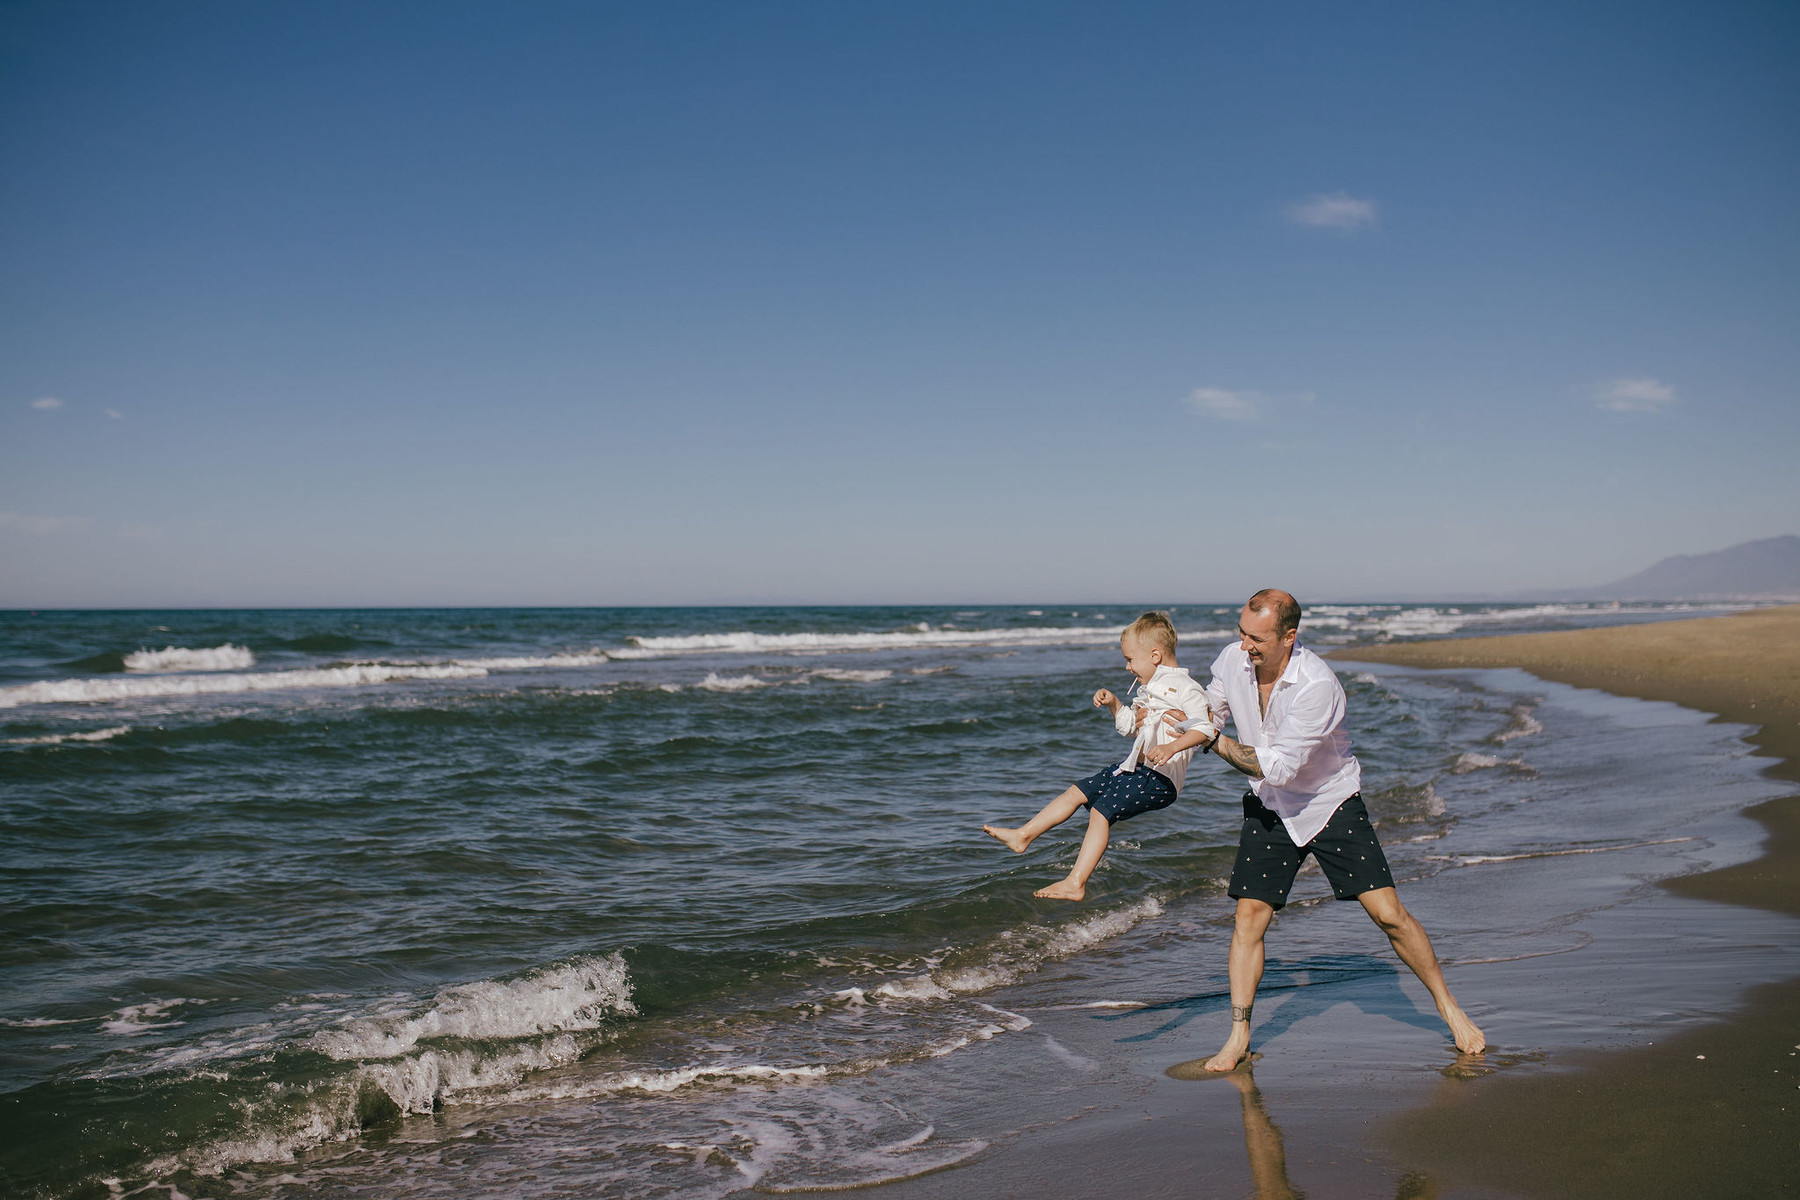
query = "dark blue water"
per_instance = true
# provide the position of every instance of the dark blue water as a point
(281, 886)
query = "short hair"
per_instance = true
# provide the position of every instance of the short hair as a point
(1155, 628)
(1285, 608)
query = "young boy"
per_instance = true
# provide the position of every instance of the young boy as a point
(1150, 777)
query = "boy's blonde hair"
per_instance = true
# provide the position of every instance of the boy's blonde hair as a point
(1156, 629)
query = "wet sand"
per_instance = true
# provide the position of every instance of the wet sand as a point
(1713, 1111)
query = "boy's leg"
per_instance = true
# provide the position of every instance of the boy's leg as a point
(1253, 917)
(1053, 814)
(1099, 832)
(1410, 942)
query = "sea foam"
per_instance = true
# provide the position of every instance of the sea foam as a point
(902, 639)
(574, 996)
(56, 739)
(180, 658)
(70, 691)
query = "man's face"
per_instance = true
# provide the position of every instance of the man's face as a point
(1257, 635)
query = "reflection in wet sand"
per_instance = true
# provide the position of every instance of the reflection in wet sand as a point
(1263, 1143)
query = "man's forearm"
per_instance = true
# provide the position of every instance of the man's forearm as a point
(1238, 755)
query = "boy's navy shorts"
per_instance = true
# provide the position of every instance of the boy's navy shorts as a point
(1121, 797)
(1268, 860)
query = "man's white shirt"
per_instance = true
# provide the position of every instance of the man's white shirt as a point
(1307, 767)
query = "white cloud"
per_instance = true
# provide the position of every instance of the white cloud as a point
(114, 413)
(42, 526)
(1634, 395)
(1224, 404)
(1335, 211)
(47, 404)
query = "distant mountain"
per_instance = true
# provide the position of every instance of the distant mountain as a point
(1768, 568)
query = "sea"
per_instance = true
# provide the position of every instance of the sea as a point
(678, 901)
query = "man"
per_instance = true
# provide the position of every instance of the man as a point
(1304, 799)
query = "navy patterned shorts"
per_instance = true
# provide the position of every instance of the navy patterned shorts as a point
(1121, 797)
(1268, 860)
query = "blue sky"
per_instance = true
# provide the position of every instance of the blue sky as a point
(710, 303)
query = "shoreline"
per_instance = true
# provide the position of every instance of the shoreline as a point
(1714, 1111)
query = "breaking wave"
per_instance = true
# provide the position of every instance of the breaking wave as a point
(921, 636)
(56, 739)
(74, 691)
(180, 658)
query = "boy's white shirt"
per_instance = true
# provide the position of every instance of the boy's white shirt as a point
(1170, 687)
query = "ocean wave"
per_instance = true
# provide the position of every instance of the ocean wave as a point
(135, 1019)
(837, 676)
(917, 637)
(74, 691)
(1396, 621)
(575, 996)
(585, 658)
(56, 739)
(1017, 954)
(1469, 860)
(1471, 761)
(1524, 724)
(731, 683)
(180, 658)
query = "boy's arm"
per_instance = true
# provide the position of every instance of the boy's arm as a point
(1123, 719)
(1156, 756)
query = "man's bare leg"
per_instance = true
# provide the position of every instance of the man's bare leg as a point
(1414, 948)
(1253, 917)
(1053, 814)
(1099, 832)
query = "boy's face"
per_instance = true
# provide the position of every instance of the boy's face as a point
(1141, 657)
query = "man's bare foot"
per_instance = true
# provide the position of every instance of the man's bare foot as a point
(1196, 1068)
(1469, 1039)
(1235, 1051)
(1067, 889)
(1015, 839)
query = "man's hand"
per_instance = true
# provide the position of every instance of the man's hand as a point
(1175, 718)
(1105, 699)
(1143, 713)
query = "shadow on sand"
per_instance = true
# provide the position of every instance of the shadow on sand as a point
(1319, 982)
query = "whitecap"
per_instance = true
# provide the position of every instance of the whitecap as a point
(56, 739)
(579, 995)
(842, 676)
(135, 1019)
(180, 658)
(70, 691)
(731, 683)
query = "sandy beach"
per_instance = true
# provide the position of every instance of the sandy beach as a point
(1714, 1111)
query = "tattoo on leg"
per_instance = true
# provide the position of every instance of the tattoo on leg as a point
(1241, 1012)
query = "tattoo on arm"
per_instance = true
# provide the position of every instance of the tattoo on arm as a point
(1239, 755)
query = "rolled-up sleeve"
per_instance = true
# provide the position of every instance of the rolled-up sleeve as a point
(1125, 720)
(1311, 716)
(1215, 694)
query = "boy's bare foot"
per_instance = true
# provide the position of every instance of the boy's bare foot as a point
(1067, 889)
(1469, 1039)
(1015, 839)
(1235, 1050)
